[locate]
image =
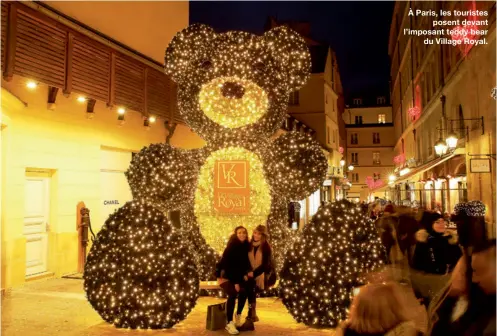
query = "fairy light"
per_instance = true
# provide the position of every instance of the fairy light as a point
(327, 263)
(470, 209)
(233, 90)
(140, 272)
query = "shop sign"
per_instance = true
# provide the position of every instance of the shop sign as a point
(327, 183)
(480, 165)
(111, 202)
(231, 187)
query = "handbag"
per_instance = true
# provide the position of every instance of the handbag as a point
(216, 316)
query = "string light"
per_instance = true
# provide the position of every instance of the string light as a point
(470, 209)
(326, 263)
(140, 272)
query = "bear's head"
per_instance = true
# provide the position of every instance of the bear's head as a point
(236, 84)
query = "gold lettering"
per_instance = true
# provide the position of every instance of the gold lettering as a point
(230, 175)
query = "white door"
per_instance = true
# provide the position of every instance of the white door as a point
(37, 204)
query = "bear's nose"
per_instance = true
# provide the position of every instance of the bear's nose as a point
(232, 90)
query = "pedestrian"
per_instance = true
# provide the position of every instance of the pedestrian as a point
(232, 271)
(467, 308)
(379, 309)
(260, 256)
(387, 229)
(435, 255)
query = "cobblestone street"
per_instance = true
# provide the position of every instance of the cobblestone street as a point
(59, 307)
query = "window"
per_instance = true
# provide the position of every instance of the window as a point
(376, 158)
(376, 138)
(357, 101)
(294, 98)
(376, 176)
(334, 136)
(358, 120)
(354, 139)
(328, 136)
(381, 118)
(355, 177)
(355, 159)
(381, 100)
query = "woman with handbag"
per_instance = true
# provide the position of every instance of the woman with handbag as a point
(232, 273)
(260, 256)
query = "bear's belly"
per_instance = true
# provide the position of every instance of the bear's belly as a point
(231, 191)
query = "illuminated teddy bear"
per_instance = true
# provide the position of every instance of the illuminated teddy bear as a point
(233, 90)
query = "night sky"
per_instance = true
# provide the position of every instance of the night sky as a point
(358, 32)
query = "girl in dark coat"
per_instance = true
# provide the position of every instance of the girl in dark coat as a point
(435, 255)
(436, 251)
(232, 272)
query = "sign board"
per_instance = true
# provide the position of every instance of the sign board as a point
(345, 187)
(480, 165)
(327, 183)
(231, 187)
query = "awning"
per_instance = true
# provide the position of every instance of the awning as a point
(427, 166)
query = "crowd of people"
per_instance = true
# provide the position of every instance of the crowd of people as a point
(446, 274)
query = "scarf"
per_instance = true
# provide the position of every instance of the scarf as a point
(256, 261)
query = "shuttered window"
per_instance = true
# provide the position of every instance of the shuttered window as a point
(40, 51)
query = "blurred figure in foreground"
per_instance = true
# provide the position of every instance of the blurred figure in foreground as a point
(468, 308)
(379, 309)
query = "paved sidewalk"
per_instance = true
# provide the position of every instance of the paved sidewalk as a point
(59, 307)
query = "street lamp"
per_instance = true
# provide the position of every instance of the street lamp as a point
(342, 162)
(351, 167)
(392, 178)
(440, 147)
(451, 141)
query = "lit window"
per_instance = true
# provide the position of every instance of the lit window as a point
(381, 118)
(376, 158)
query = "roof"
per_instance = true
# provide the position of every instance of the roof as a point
(319, 53)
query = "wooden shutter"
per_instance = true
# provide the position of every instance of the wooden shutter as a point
(40, 51)
(130, 83)
(90, 69)
(158, 87)
(5, 14)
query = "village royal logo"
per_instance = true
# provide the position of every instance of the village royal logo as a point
(231, 187)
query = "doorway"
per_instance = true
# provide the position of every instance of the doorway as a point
(36, 221)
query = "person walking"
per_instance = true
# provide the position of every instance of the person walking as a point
(232, 272)
(435, 255)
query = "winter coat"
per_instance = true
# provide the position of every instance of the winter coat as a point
(476, 319)
(436, 253)
(403, 329)
(234, 263)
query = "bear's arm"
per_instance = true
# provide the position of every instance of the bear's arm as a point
(297, 166)
(164, 176)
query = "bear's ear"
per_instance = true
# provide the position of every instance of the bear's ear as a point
(187, 46)
(289, 49)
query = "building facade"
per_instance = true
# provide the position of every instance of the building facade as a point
(439, 91)
(75, 106)
(370, 144)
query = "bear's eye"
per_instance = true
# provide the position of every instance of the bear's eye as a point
(258, 66)
(206, 64)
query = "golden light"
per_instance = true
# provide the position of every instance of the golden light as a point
(392, 178)
(451, 141)
(81, 99)
(121, 110)
(151, 119)
(233, 102)
(440, 147)
(351, 167)
(342, 162)
(31, 85)
(217, 228)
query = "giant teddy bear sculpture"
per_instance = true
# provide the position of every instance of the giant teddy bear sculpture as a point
(233, 91)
